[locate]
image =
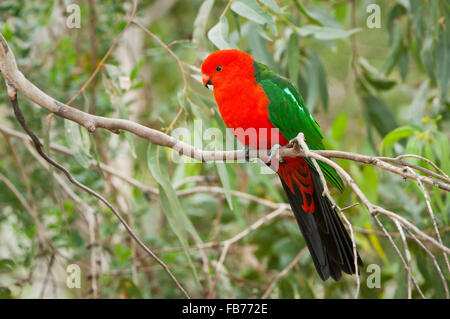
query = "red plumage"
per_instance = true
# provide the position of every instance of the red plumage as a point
(243, 105)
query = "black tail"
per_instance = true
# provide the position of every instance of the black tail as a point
(327, 240)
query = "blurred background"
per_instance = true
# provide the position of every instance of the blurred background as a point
(375, 75)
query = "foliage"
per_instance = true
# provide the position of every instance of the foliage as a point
(380, 91)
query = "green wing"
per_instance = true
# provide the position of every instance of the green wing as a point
(289, 114)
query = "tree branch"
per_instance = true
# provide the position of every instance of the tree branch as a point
(16, 79)
(12, 93)
(17, 82)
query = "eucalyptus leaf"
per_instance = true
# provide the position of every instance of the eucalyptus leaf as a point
(293, 55)
(379, 114)
(374, 77)
(443, 56)
(259, 47)
(201, 20)
(393, 137)
(339, 127)
(176, 216)
(321, 78)
(74, 140)
(218, 35)
(394, 51)
(7, 264)
(325, 33)
(313, 85)
(272, 4)
(417, 107)
(251, 10)
(223, 175)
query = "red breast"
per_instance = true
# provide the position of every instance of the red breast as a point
(242, 102)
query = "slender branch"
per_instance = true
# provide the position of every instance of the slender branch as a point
(408, 257)
(17, 81)
(105, 57)
(283, 273)
(301, 144)
(432, 216)
(12, 93)
(165, 46)
(436, 264)
(40, 229)
(15, 78)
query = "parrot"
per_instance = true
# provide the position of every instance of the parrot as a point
(252, 96)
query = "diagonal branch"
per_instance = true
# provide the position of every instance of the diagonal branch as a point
(12, 93)
(16, 79)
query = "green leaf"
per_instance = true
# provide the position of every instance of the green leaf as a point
(340, 12)
(323, 17)
(114, 73)
(223, 175)
(369, 183)
(293, 54)
(259, 48)
(272, 5)
(130, 139)
(135, 71)
(313, 84)
(374, 77)
(376, 243)
(176, 216)
(218, 35)
(403, 63)
(395, 50)
(201, 20)
(75, 142)
(442, 148)
(417, 107)
(251, 10)
(128, 289)
(412, 147)
(7, 264)
(379, 114)
(5, 293)
(443, 56)
(325, 33)
(321, 78)
(306, 12)
(393, 137)
(339, 127)
(427, 56)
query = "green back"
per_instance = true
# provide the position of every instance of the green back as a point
(289, 114)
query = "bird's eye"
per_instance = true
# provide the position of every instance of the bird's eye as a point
(218, 68)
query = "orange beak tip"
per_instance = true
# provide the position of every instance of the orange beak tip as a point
(206, 80)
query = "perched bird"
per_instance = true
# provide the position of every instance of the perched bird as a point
(251, 96)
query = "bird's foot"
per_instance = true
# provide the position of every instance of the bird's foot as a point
(247, 153)
(298, 143)
(274, 154)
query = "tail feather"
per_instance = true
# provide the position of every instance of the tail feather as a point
(325, 236)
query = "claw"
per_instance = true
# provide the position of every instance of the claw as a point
(247, 153)
(274, 152)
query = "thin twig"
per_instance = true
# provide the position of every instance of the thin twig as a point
(283, 273)
(326, 193)
(105, 57)
(12, 93)
(432, 216)
(436, 264)
(408, 256)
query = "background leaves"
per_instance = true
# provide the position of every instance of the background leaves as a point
(373, 91)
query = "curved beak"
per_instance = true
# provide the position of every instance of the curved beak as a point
(206, 80)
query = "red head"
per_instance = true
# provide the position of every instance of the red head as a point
(224, 67)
